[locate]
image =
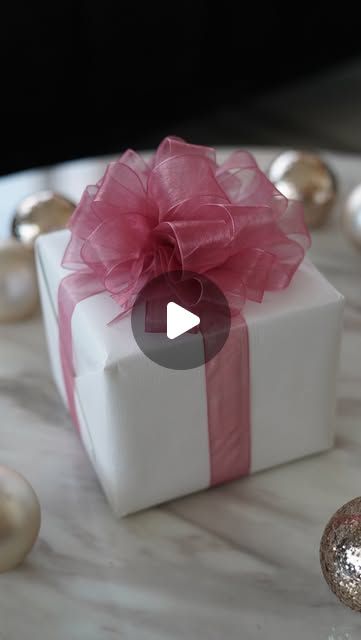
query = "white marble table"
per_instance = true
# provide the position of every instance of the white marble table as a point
(236, 563)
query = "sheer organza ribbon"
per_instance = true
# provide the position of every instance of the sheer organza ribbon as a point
(182, 211)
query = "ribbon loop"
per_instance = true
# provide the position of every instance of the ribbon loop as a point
(182, 211)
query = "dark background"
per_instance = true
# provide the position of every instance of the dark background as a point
(88, 78)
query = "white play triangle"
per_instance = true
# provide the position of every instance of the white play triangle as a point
(179, 320)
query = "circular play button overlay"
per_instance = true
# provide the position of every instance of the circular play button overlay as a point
(181, 320)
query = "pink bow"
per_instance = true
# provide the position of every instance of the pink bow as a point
(182, 211)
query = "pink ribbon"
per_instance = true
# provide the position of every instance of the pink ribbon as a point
(184, 212)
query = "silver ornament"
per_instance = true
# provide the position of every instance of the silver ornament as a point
(340, 554)
(304, 176)
(41, 212)
(18, 282)
(351, 217)
(19, 518)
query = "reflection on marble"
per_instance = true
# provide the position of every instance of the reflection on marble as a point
(340, 633)
(237, 562)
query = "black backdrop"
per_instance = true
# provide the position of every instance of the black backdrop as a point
(92, 77)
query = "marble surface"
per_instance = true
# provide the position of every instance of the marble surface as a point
(237, 562)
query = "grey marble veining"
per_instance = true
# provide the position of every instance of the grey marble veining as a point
(238, 562)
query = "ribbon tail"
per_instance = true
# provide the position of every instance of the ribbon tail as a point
(73, 289)
(228, 405)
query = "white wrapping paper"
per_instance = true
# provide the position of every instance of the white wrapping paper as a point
(145, 427)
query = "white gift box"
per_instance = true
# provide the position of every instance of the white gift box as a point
(145, 427)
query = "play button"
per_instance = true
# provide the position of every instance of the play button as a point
(180, 320)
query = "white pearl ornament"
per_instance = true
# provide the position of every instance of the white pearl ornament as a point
(39, 213)
(18, 284)
(351, 217)
(19, 518)
(305, 176)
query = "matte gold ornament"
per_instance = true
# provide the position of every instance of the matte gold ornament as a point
(18, 283)
(304, 176)
(351, 217)
(19, 518)
(340, 554)
(41, 212)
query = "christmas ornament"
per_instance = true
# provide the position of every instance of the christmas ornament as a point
(304, 176)
(41, 213)
(340, 554)
(18, 283)
(351, 217)
(19, 518)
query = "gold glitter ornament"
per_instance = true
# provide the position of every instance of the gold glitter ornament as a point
(41, 212)
(340, 554)
(305, 176)
(19, 518)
